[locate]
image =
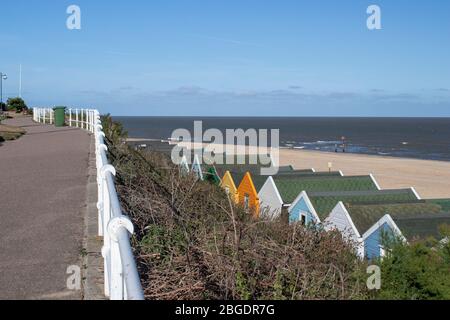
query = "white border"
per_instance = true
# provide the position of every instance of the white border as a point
(416, 193)
(375, 181)
(386, 219)
(352, 224)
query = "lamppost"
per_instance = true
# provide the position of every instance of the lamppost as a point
(2, 77)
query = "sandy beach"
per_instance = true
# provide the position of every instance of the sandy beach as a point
(431, 179)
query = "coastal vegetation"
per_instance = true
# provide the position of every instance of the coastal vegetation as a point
(17, 105)
(193, 242)
(418, 271)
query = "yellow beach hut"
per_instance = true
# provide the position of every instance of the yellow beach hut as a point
(229, 185)
(248, 195)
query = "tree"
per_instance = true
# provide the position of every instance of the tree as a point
(17, 104)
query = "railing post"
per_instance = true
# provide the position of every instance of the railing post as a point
(107, 250)
(119, 229)
(90, 122)
(117, 284)
(100, 204)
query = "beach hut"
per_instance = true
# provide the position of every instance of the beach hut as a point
(248, 195)
(286, 191)
(364, 224)
(234, 173)
(197, 167)
(184, 166)
(407, 229)
(229, 185)
(218, 171)
(212, 176)
(249, 188)
(314, 207)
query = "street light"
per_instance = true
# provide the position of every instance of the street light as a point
(2, 77)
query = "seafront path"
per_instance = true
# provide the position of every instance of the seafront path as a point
(43, 179)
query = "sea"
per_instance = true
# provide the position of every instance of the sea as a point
(418, 138)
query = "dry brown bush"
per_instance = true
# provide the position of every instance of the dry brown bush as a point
(193, 243)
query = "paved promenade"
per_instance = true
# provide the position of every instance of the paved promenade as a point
(43, 178)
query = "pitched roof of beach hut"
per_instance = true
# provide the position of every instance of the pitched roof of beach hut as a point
(306, 173)
(365, 216)
(253, 169)
(422, 226)
(247, 192)
(290, 187)
(228, 183)
(325, 202)
(444, 203)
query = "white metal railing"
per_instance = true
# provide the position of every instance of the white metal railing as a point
(44, 115)
(122, 280)
(82, 118)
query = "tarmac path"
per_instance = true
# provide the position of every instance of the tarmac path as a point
(43, 179)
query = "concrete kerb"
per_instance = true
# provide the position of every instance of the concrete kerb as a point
(93, 281)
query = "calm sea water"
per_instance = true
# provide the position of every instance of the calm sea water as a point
(421, 138)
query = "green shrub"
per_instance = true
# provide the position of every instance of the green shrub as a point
(419, 271)
(16, 104)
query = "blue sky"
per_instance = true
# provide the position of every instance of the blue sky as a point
(230, 57)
